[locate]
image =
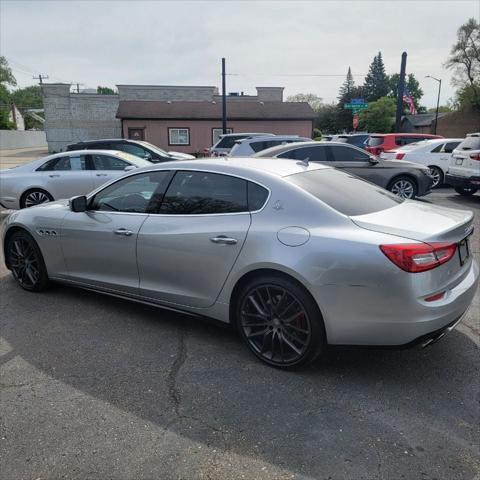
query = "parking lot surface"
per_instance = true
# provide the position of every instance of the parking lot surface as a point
(100, 388)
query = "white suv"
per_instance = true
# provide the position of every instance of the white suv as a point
(249, 146)
(464, 169)
(227, 141)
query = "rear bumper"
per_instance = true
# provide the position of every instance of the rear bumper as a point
(457, 181)
(391, 316)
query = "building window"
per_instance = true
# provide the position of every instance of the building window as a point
(216, 132)
(179, 136)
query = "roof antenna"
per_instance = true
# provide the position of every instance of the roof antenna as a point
(304, 162)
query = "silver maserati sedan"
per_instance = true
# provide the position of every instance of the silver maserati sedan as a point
(62, 175)
(295, 256)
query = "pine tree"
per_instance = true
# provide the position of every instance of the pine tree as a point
(347, 87)
(376, 82)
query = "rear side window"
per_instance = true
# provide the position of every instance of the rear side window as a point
(257, 196)
(74, 162)
(450, 147)
(313, 154)
(229, 142)
(197, 193)
(344, 192)
(407, 140)
(374, 141)
(470, 143)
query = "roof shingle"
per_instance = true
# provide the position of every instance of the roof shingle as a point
(247, 110)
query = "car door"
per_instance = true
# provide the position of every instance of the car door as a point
(67, 176)
(187, 250)
(99, 245)
(106, 168)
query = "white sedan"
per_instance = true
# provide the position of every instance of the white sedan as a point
(63, 175)
(434, 154)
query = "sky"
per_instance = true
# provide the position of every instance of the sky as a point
(304, 46)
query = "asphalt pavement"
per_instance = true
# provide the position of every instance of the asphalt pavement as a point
(94, 387)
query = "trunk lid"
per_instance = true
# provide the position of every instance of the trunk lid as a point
(419, 221)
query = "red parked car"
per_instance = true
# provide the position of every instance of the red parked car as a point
(384, 142)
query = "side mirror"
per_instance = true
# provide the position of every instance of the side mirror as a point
(129, 168)
(78, 204)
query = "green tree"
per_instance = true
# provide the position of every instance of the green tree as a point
(105, 90)
(348, 90)
(464, 60)
(376, 81)
(441, 109)
(6, 79)
(26, 98)
(6, 75)
(311, 98)
(327, 120)
(379, 117)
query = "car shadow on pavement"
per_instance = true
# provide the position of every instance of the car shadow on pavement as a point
(352, 413)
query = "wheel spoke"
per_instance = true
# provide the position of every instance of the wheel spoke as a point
(297, 329)
(291, 345)
(257, 306)
(258, 333)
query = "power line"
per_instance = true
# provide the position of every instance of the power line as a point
(40, 78)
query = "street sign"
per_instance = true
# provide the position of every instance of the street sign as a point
(355, 106)
(358, 101)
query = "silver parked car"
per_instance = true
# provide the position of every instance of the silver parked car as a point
(295, 256)
(62, 175)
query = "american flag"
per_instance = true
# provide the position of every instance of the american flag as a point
(408, 99)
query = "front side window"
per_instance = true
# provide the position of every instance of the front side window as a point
(216, 132)
(313, 154)
(142, 193)
(106, 162)
(179, 136)
(194, 193)
(344, 192)
(346, 154)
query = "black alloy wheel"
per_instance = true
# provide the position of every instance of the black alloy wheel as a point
(26, 262)
(280, 323)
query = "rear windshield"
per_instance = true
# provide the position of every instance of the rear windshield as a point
(470, 143)
(344, 192)
(374, 141)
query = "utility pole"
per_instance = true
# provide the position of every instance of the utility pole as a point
(400, 91)
(224, 99)
(40, 78)
(439, 80)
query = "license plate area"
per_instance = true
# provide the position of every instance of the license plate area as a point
(458, 161)
(463, 251)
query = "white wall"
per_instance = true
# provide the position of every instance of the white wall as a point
(12, 139)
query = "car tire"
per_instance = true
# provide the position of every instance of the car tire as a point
(280, 321)
(404, 187)
(25, 260)
(438, 176)
(35, 196)
(466, 191)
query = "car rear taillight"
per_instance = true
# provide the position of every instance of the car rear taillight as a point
(399, 156)
(419, 257)
(475, 156)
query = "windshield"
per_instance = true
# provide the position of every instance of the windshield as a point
(157, 150)
(344, 192)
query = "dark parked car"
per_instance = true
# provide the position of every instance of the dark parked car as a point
(138, 148)
(405, 179)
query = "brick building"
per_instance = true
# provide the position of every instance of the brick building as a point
(182, 118)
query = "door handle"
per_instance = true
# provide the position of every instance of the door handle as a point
(223, 240)
(53, 175)
(123, 231)
(101, 174)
